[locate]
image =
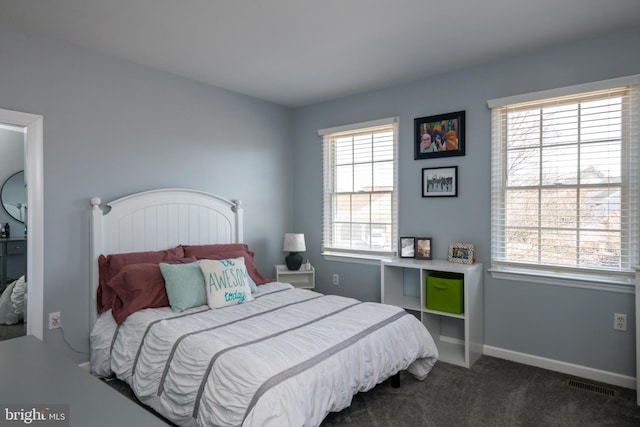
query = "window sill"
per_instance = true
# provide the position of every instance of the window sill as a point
(368, 259)
(610, 283)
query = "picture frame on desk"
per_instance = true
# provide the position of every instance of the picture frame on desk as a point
(423, 248)
(461, 253)
(407, 247)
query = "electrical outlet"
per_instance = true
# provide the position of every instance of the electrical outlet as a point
(54, 320)
(336, 280)
(619, 322)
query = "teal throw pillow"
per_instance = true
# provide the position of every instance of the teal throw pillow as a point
(185, 285)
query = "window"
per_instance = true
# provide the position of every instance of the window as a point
(360, 189)
(564, 193)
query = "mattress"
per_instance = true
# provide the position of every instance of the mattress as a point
(289, 357)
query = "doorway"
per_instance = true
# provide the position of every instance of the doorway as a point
(13, 256)
(33, 176)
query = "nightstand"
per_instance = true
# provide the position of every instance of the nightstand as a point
(298, 278)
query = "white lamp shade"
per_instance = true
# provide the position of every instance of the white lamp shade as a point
(293, 242)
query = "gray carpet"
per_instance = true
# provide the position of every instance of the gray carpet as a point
(494, 392)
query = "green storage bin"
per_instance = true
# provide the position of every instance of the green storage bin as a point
(445, 293)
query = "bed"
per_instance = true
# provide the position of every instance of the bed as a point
(12, 302)
(282, 357)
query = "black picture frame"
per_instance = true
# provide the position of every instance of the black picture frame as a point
(440, 182)
(407, 247)
(423, 248)
(443, 134)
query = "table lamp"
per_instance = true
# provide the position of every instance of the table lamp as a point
(293, 243)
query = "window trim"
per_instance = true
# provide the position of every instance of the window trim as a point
(614, 281)
(617, 284)
(564, 91)
(356, 126)
(363, 256)
(368, 259)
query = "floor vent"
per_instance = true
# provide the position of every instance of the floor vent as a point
(592, 387)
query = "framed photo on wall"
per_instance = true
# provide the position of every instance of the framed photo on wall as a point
(440, 182)
(423, 248)
(439, 136)
(407, 247)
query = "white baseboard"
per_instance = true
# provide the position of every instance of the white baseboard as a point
(563, 367)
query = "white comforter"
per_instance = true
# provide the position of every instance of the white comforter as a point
(286, 359)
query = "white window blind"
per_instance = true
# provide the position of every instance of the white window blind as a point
(565, 188)
(360, 189)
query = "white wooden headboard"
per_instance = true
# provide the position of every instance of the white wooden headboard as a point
(159, 219)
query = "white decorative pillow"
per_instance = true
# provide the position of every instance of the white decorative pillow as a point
(226, 281)
(7, 315)
(18, 297)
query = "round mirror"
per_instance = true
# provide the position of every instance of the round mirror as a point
(14, 196)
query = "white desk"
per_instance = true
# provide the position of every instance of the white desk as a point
(32, 373)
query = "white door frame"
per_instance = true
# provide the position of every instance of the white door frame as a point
(33, 172)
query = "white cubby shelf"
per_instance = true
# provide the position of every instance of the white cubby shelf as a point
(403, 284)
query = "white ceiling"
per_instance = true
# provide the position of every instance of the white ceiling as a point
(299, 52)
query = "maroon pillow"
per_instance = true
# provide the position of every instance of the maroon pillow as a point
(204, 250)
(138, 286)
(255, 275)
(110, 265)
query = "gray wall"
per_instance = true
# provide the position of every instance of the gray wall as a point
(562, 323)
(112, 128)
